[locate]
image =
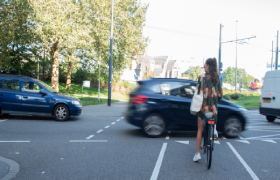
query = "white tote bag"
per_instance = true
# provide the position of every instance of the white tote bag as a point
(197, 99)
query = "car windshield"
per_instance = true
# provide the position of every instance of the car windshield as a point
(46, 86)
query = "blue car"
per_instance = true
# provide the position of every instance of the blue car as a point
(161, 104)
(23, 95)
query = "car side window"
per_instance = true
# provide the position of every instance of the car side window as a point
(156, 88)
(1, 84)
(187, 90)
(31, 87)
(10, 84)
(170, 88)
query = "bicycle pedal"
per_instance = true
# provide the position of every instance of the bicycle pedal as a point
(201, 148)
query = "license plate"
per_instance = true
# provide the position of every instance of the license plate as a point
(266, 100)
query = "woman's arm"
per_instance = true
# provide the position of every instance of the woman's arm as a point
(198, 86)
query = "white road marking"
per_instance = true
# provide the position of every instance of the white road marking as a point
(90, 137)
(263, 136)
(113, 123)
(244, 141)
(240, 137)
(263, 127)
(255, 114)
(167, 137)
(99, 131)
(253, 175)
(224, 137)
(262, 130)
(121, 117)
(270, 141)
(118, 120)
(183, 142)
(14, 141)
(3, 120)
(88, 141)
(217, 142)
(107, 126)
(158, 163)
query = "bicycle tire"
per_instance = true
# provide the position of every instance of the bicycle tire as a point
(210, 145)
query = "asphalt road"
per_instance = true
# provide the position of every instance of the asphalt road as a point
(100, 144)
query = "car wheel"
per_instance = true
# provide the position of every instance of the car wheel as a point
(270, 118)
(232, 127)
(154, 125)
(61, 112)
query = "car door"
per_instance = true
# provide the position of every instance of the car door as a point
(32, 99)
(179, 103)
(276, 94)
(10, 95)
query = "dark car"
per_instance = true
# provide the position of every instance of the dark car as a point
(160, 104)
(23, 95)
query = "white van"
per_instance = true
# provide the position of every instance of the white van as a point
(270, 96)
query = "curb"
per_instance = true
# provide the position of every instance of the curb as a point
(14, 168)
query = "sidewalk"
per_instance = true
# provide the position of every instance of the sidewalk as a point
(8, 168)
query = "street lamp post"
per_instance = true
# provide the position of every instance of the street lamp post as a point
(111, 57)
(99, 75)
(236, 61)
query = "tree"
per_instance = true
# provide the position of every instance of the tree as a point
(147, 75)
(19, 44)
(194, 72)
(229, 77)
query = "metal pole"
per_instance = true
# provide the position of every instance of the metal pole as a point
(236, 61)
(276, 63)
(220, 44)
(111, 58)
(99, 75)
(44, 65)
(272, 57)
(38, 68)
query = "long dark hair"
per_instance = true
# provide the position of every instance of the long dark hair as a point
(212, 63)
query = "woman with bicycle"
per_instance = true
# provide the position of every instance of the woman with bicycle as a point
(212, 93)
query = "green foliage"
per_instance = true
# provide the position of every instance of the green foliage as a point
(148, 75)
(194, 72)
(87, 100)
(229, 77)
(19, 46)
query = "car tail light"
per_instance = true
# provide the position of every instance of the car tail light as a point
(138, 99)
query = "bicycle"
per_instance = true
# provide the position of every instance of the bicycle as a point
(208, 139)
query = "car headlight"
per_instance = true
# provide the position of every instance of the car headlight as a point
(75, 102)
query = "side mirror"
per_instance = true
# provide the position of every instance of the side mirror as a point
(43, 92)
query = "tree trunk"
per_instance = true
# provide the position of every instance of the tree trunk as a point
(68, 79)
(55, 54)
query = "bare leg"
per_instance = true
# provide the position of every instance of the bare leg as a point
(200, 127)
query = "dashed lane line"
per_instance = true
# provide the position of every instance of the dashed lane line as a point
(113, 123)
(159, 162)
(167, 137)
(107, 126)
(90, 137)
(252, 174)
(99, 131)
(3, 120)
(88, 141)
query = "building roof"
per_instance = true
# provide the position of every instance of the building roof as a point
(170, 64)
(160, 59)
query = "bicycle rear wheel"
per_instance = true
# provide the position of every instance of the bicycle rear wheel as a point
(209, 147)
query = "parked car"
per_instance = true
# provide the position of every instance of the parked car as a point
(23, 95)
(160, 104)
(270, 96)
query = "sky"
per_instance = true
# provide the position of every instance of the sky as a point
(188, 31)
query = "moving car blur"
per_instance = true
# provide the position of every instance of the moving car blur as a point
(160, 104)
